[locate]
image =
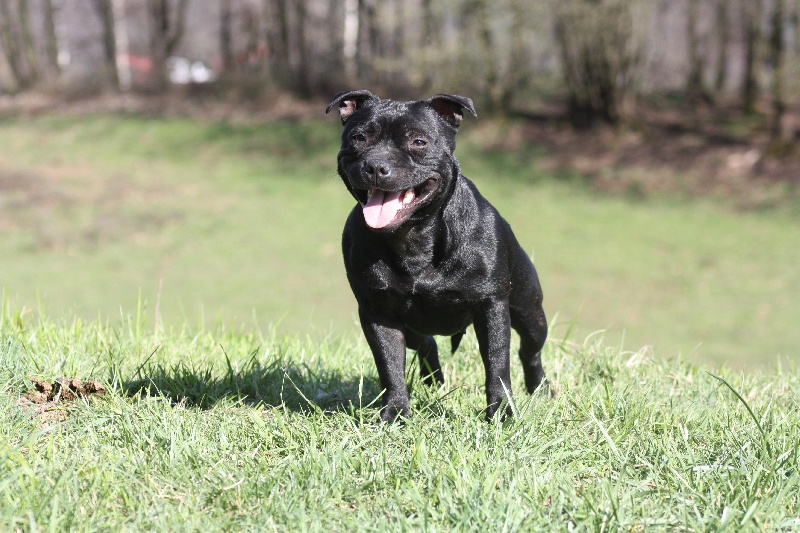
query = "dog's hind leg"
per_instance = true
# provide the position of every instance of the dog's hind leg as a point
(428, 354)
(532, 329)
(455, 340)
(528, 320)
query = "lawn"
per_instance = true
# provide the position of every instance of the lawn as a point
(210, 222)
(216, 430)
(191, 268)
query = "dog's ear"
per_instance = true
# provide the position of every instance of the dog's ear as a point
(451, 106)
(349, 101)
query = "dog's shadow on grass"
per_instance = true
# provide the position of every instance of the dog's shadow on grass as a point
(295, 387)
(292, 386)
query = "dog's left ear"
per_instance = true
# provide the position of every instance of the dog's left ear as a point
(451, 106)
(349, 101)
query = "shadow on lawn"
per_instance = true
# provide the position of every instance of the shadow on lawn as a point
(279, 383)
(276, 383)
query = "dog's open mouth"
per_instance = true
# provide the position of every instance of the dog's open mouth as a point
(385, 208)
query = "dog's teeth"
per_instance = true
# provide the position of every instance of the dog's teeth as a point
(408, 197)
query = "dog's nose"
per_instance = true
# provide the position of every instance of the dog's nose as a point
(377, 169)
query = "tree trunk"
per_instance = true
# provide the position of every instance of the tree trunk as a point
(166, 32)
(123, 66)
(14, 47)
(476, 13)
(159, 25)
(10, 45)
(28, 44)
(303, 72)
(429, 41)
(694, 82)
(278, 39)
(367, 69)
(253, 41)
(51, 38)
(225, 44)
(518, 68)
(777, 51)
(724, 37)
(104, 11)
(751, 16)
(488, 50)
(398, 41)
(350, 38)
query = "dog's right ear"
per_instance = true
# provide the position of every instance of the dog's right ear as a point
(350, 101)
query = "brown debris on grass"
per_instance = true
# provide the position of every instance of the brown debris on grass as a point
(63, 389)
(48, 400)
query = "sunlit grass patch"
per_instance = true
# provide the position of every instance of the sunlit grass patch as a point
(228, 429)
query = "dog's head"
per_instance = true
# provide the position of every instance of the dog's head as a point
(397, 157)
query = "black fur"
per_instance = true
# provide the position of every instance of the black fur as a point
(445, 261)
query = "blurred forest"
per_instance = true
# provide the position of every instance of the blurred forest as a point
(697, 63)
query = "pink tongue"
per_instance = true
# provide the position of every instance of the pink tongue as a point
(381, 208)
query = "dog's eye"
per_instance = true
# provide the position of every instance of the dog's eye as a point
(419, 143)
(357, 138)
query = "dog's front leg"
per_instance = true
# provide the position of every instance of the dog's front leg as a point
(388, 345)
(492, 324)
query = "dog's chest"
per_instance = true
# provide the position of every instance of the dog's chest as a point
(428, 301)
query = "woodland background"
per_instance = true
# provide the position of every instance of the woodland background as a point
(597, 55)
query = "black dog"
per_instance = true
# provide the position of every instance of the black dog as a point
(425, 253)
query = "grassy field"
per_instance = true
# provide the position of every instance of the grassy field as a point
(193, 270)
(213, 430)
(211, 222)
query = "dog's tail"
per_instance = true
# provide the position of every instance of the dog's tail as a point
(455, 340)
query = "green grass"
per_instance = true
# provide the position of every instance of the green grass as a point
(223, 430)
(240, 223)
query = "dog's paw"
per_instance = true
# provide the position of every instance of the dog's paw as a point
(395, 413)
(539, 384)
(503, 412)
(545, 389)
(434, 379)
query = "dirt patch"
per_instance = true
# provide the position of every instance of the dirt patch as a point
(48, 400)
(63, 389)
